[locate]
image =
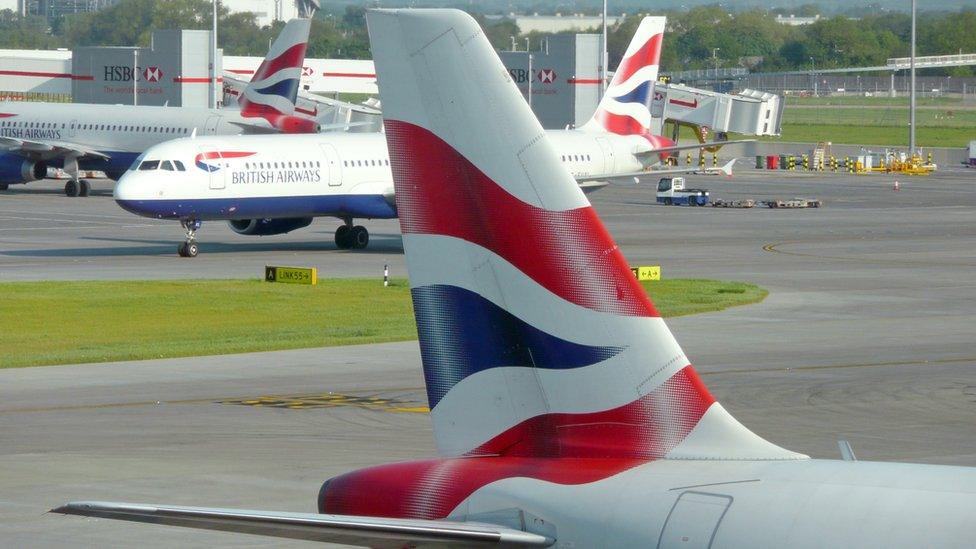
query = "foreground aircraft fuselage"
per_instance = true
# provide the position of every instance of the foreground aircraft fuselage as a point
(677, 502)
(290, 176)
(273, 184)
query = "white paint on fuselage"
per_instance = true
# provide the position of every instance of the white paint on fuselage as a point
(116, 128)
(806, 503)
(344, 163)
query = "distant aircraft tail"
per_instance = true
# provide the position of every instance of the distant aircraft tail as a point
(625, 107)
(273, 90)
(536, 339)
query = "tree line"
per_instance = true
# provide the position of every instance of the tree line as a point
(702, 37)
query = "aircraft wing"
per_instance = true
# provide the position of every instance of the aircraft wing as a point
(360, 531)
(47, 148)
(706, 144)
(589, 182)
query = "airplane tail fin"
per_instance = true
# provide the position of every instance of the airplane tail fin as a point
(625, 107)
(536, 339)
(273, 91)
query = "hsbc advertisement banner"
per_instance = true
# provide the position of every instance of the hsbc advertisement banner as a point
(564, 76)
(108, 75)
(175, 71)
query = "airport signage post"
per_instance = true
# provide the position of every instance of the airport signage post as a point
(647, 272)
(291, 275)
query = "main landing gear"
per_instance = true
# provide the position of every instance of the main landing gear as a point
(189, 248)
(77, 187)
(350, 237)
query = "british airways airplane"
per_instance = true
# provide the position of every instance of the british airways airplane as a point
(564, 411)
(107, 138)
(267, 185)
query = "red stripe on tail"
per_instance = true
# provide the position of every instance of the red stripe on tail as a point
(439, 192)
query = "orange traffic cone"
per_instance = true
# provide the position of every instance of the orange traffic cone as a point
(896, 187)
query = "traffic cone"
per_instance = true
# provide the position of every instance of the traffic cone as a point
(896, 187)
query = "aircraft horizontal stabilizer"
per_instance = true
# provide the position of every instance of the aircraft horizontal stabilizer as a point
(351, 530)
(707, 144)
(591, 183)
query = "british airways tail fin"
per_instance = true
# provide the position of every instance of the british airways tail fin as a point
(625, 107)
(535, 337)
(274, 88)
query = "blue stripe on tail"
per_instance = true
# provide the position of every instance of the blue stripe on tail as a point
(462, 333)
(287, 88)
(641, 94)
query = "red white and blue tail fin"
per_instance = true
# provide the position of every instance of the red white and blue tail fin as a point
(273, 90)
(626, 106)
(536, 339)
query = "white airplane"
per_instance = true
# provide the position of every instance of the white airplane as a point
(564, 411)
(266, 185)
(107, 138)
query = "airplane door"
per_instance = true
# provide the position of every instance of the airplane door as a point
(693, 520)
(211, 127)
(331, 166)
(72, 128)
(608, 159)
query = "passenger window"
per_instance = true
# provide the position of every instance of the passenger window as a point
(149, 165)
(179, 166)
(166, 165)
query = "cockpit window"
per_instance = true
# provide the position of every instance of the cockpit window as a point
(179, 166)
(149, 165)
(166, 165)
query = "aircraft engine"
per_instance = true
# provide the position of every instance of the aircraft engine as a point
(15, 170)
(267, 227)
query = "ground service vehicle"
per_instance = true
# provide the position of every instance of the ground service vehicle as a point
(672, 191)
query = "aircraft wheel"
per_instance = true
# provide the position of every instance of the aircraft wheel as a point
(342, 237)
(359, 237)
(192, 249)
(71, 188)
(83, 188)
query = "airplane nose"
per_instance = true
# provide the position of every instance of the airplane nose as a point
(125, 187)
(131, 193)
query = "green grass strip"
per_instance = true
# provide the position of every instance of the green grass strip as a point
(49, 323)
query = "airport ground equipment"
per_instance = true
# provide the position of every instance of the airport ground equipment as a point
(748, 112)
(794, 203)
(671, 191)
(742, 204)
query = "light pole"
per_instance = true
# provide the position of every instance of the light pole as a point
(603, 53)
(813, 76)
(213, 60)
(911, 92)
(715, 57)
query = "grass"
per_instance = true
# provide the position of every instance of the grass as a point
(71, 322)
(681, 297)
(875, 135)
(882, 121)
(877, 100)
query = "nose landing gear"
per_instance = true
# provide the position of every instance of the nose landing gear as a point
(189, 248)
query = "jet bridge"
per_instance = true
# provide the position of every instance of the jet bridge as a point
(748, 112)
